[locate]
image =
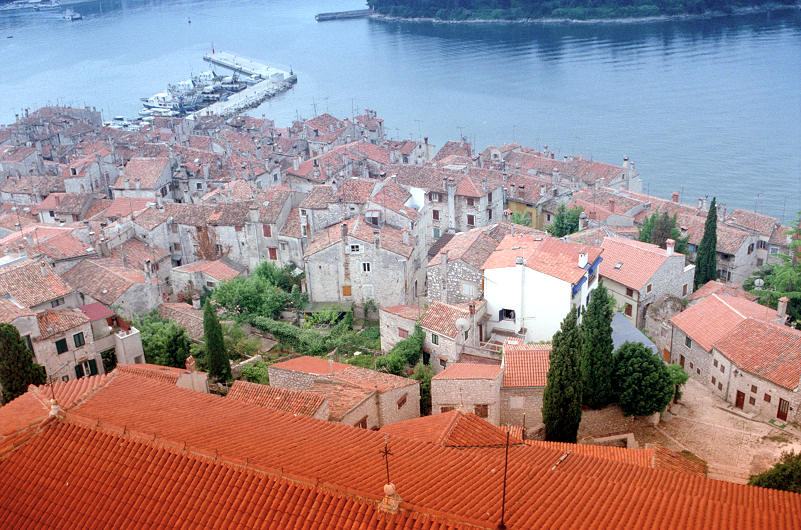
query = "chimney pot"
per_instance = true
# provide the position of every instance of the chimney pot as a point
(781, 310)
(582, 259)
(675, 196)
(670, 244)
(190, 364)
(612, 205)
(330, 367)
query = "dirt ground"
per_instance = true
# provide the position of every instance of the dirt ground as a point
(733, 447)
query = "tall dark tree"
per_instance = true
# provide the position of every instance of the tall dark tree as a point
(561, 402)
(706, 259)
(17, 369)
(596, 350)
(565, 222)
(216, 354)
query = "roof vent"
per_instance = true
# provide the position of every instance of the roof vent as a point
(618, 265)
(516, 247)
(519, 260)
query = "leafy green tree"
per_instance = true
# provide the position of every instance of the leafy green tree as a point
(706, 259)
(299, 302)
(424, 374)
(678, 377)
(784, 475)
(253, 295)
(520, 218)
(404, 354)
(565, 222)
(163, 341)
(657, 228)
(17, 369)
(216, 354)
(596, 350)
(256, 373)
(642, 382)
(281, 277)
(561, 402)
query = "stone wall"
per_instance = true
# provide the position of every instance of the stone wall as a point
(521, 406)
(290, 379)
(449, 286)
(390, 324)
(369, 408)
(697, 361)
(390, 412)
(657, 319)
(465, 394)
(608, 420)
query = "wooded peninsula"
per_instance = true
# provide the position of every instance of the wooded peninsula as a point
(462, 10)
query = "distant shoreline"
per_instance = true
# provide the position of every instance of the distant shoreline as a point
(631, 20)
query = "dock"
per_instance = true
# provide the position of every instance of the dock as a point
(272, 82)
(240, 64)
(341, 15)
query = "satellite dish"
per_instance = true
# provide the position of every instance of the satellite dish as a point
(462, 324)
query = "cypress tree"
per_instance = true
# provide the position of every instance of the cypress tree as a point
(706, 259)
(561, 402)
(17, 369)
(216, 355)
(596, 350)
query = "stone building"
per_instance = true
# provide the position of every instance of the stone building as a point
(525, 371)
(452, 331)
(129, 291)
(467, 387)
(637, 273)
(145, 178)
(397, 323)
(356, 396)
(202, 274)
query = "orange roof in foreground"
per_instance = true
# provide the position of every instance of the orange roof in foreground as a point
(141, 452)
(451, 429)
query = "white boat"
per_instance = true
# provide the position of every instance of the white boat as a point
(71, 15)
(162, 99)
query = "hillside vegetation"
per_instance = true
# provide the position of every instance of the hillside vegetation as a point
(567, 9)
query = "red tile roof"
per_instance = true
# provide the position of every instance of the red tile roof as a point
(441, 318)
(96, 311)
(714, 317)
(194, 459)
(469, 371)
(186, 316)
(311, 365)
(217, 269)
(721, 289)
(166, 374)
(342, 397)
(543, 254)
(631, 263)
(146, 171)
(391, 239)
(293, 401)
(766, 349)
(450, 429)
(10, 311)
(26, 282)
(410, 312)
(53, 323)
(525, 365)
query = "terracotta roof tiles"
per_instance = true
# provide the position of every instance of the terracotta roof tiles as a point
(631, 263)
(410, 312)
(53, 323)
(469, 371)
(293, 401)
(525, 365)
(31, 283)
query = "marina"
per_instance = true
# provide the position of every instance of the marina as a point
(208, 93)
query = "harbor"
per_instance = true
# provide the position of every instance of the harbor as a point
(209, 93)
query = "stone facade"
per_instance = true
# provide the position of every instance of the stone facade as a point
(657, 321)
(692, 356)
(454, 282)
(394, 328)
(521, 406)
(61, 367)
(469, 395)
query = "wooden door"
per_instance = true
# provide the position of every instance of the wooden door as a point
(273, 253)
(666, 355)
(740, 400)
(681, 361)
(784, 406)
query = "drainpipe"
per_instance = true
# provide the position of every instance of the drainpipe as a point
(520, 262)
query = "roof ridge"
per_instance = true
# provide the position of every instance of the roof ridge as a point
(715, 295)
(457, 415)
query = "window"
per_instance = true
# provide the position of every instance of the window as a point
(691, 366)
(443, 363)
(767, 398)
(762, 244)
(218, 248)
(436, 233)
(365, 266)
(722, 369)
(489, 197)
(688, 342)
(303, 213)
(434, 338)
(402, 401)
(714, 380)
(715, 363)
(751, 401)
(355, 249)
(629, 292)
(238, 228)
(720, 386)
(78, 339)
(346, 290)
(466, 334)
(489, 213)
(684, 290)
(628, 310)
(273, 253)
(470, 201)
(468, 289)
(750, 248)
(445, 408)
(774, 250)
(753, 389)
(506, 314)
(52, 213)
(698, 371)
(362, 423)
(283, 245)
(61, 346)
(176, 247)
(435, 214)
(57, 302)
(434, 197)
(648, 289)
(199, 185)
(266, 230)
(403, 333)
(211, 285)
(471, 220)
(482, 410)
(174, 228)
(86, 368)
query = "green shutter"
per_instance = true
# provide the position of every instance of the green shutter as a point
(93, 366)
(78, 371)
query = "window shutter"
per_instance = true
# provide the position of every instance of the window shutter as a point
(500, 314)
(93, 366)
(78, 371)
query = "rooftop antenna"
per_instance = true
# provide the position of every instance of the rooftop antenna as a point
(386, 452)
(502, 524)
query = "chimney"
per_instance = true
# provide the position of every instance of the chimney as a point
(472, 307)
(391, 501)
(377, 239)
(190, 364)
(675, 196)
(781, 310)
(582, 221)
(722, 211)
(330, 366)
(543, 189)
(127, 183)
(196, 301)
(295, 164)
(512, 190)
(43, 268)
(343, 232)
(582, 259)
(670, 244)
(700, 202)
(146, 266)
(545, 151)
(29, 238)
(625, 161)
(405, 236)
(484, 185)
(253, 212)
(612, 205)
(555, 176)
(507, 216)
